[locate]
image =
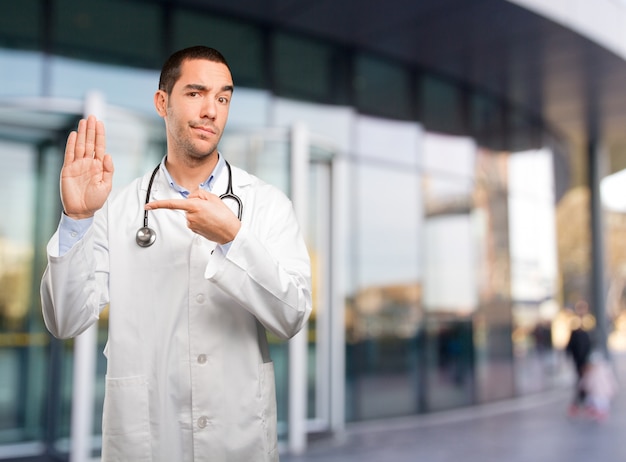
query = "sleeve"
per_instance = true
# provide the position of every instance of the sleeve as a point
(71, 231)
(74, 286)
(267, 270)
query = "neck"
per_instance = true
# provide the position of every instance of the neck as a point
(190, 172)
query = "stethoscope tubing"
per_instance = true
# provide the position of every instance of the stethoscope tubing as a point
(146, 236)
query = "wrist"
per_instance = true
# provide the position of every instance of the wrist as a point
(78, 216)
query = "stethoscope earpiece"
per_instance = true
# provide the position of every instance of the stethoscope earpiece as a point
(146, 236)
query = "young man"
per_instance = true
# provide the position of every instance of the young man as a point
(191, 293)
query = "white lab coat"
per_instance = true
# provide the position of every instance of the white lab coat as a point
(187, 378)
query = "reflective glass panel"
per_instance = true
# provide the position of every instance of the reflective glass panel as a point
(493, 319)
(384, 313)
(23, 361)
(108, 29)
(20, 24)
(534, 282)
(302, 68)
(441, 108)
(382, 88)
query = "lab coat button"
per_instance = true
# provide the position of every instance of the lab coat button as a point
(202, 359)
(203, 421)
(200, 298)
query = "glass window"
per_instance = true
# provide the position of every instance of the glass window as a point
(441, 106)
(23, 341)
(20, 24)
(451, 270)
(302, 68)
(493, 319)
(240, 43)
(534, 282)
(524, 133)
(384, 312)
(486, 121)
(382, 88)
(109, 29)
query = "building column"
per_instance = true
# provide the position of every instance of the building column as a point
(595, 168)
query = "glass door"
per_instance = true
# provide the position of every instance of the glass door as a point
(37, 371)
(28, 191)
(269, 154)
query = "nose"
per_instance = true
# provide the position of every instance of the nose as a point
(209, 108)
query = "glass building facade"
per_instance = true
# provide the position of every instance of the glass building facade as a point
(431, 212)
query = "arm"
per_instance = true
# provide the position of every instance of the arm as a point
(266, 269)
(74, 287)
(72, 293)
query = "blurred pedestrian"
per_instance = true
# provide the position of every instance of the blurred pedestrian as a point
(599, 385)
(579, 348)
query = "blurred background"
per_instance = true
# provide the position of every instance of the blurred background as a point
(456, 166)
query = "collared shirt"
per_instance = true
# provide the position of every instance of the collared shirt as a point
(71, 230)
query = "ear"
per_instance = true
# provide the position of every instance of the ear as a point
(160, 102)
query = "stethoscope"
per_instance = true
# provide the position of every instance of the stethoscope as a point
(146, 236)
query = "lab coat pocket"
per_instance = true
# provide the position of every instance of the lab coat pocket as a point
(268, 398)
(126, 422)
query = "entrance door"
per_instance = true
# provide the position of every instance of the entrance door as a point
(276, 156)
(29, 206)
(37, 372)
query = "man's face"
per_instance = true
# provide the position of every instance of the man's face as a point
(196, 111)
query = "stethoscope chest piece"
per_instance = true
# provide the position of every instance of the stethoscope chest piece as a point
(145, 237)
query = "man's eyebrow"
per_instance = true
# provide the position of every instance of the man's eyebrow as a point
(200, 87)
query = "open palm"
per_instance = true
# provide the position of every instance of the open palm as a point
(87, 173)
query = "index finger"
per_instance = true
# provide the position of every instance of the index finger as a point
(174, 204)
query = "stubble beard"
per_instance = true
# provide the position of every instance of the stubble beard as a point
(192, 155)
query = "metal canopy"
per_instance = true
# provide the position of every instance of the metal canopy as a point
(572, 83)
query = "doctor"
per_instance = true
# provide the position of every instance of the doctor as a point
(189, 377)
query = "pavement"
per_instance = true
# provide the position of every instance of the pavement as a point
(533, 428)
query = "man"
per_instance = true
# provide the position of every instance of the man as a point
(190, 296)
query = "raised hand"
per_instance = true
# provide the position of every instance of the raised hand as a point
(207, 215)
(87, 173)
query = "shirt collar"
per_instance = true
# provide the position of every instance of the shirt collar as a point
(207, 185)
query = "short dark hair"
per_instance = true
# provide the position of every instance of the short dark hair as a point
(170, 73)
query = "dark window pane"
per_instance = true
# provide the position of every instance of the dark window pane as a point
(20, 24)
(441, 106)
(302, 68)
(382, 88)
(110, 30)
(486, 121)
(240, 43)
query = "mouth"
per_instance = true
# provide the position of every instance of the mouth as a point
(204, 130)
